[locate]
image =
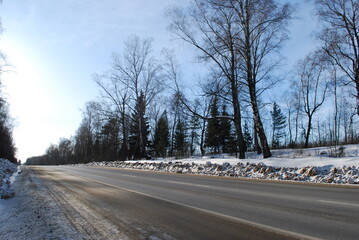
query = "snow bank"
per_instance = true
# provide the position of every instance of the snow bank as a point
(7, 169)
(34, 213)
(325, 174)
(314, 165)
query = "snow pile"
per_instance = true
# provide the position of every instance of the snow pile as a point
(338, 164)
(325, 174)
(7, 169)
(34, 213)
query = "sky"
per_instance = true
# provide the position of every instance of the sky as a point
(55, 47)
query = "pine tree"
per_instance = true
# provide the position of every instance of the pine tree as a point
(247, 135)
(139, 129)
(278, 124)
(213, 132)
(161, 138)
(180, 139)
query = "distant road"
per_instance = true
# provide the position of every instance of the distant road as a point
(151, 205)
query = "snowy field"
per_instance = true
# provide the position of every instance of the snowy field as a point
(284, 158)
(317, 165)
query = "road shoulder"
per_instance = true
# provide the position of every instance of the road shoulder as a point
(32, 213)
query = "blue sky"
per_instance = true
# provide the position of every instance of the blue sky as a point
(56, 46)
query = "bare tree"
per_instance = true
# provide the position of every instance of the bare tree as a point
(334, 85)
(140, 73)
(313, 88)
(211, 30)
(262, 31)
(340, 36)
(133, 73)
(239, 37)
(138, 70)
(115, 99)
(296, 101)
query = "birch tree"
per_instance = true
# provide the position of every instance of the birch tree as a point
(135, 74)
(239, 37)
(313, 88)
(262, 32)
(210, 29)
(340, 36)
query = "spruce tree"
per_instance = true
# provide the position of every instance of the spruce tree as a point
(139, 129)
(110, 140)
(224, 131)
(194, 135)
(247, 135)
(180, 139)
(213, 132)
(161, 138)
(278, 124)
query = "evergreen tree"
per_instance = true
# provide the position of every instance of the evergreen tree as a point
(139, 129)
(180, 139)
(161, 138)
(213, 132)
(278, 124)
(247, 135)
(7, 147)
(194, 135)
(84, 143)
(110, 140)
(224, 131)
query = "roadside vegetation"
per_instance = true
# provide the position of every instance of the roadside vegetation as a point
(7, 146)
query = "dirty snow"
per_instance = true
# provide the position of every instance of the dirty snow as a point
(7, 171)
(316, 165)
(32, 213)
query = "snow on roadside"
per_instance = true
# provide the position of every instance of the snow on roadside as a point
(7, 172)
(33, 213)
(309, 165)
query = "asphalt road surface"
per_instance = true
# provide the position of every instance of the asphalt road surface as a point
(117, 203)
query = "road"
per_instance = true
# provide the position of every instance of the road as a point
(152, 205)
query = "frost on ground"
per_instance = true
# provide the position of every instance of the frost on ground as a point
(314, 165)
(32, 213)
(7, 170)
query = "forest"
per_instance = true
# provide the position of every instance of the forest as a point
(7, 145)
(146, 109)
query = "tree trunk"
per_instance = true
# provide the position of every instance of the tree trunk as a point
(203, 132)
(124, 135)
(307, 134)
(319, 135)
(251, 81)
(273, 131)
(296, 125)
(173, 134)
(336, 125)
(256, 116)
(261, 134)
(142, 145)
(256, 144)
(237, 121)
(290, 127)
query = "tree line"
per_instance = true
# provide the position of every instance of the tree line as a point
(144, 111)
(7, 146)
